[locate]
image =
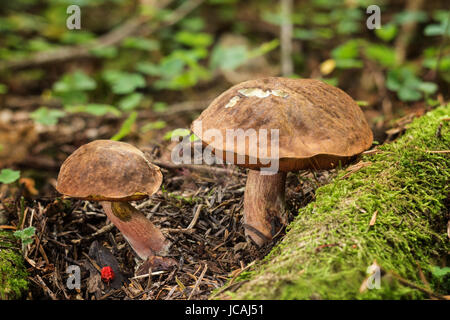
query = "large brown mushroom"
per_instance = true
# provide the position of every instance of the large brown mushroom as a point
(314, 126)
(115, 173)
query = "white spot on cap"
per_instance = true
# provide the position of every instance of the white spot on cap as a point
(280, 93)
(257, 92)
(232, 101)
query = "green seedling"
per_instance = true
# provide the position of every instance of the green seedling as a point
(26, 236)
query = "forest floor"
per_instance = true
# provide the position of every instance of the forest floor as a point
(75, 232)
(209, 199)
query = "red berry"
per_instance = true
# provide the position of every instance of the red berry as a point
(107, 274)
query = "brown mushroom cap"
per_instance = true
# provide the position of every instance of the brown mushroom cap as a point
(106, 170)
(319, 125)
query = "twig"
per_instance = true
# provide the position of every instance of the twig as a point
(354, 168)
(42, 284)
(183, 10)
(198, 281)
(437, 151)
(441, 47)
(287, 67)
(128, 28)
(78, 52)
(100, 231)
(433, 151)
(240, 271)
(224, 203)
(422, 277)
(407, 31)
(21, 102)
(187, 106)
(94, 264)
(112, 292)
(5, 227)
(414, 286)
(196, 167)
(380, 83)
(175, 230)
(230, 287)
(38, 240)
(156, 273)
(374, 219)
(189, 228)
(59, 283)
(370, 152)
(196, 215)
(448, 229)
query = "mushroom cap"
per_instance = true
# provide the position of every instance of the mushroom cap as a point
(106, 170)
(318, 125)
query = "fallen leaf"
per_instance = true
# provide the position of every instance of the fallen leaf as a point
(374, 218)
(29, 185)
(327, 66)
(355, 167)
(328, 245)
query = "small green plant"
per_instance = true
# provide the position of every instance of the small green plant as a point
(26, 236)
(407, 85)
(131, 101)
(72, 87)
(180, 132)
(141, 44)
(156, 125)
(123, 82)
(441, 25)
(441, 278)
(46, 116)
(160, 107)
(126, 127)
(347, 55)
(95, 109)
(9, 176)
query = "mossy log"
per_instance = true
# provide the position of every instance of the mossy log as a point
(13, 276)
(393, 212)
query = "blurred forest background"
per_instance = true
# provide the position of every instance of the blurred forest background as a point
(139, 71)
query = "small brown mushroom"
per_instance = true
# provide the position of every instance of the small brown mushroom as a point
(114, 173)
(317, 126)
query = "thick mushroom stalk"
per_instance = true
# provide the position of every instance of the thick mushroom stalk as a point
(143, 236)
(264, 206)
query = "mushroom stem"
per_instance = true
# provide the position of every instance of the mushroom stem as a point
(143, 236)
(264, 205)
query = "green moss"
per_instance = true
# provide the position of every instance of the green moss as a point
(13, 276)
(329, 246)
